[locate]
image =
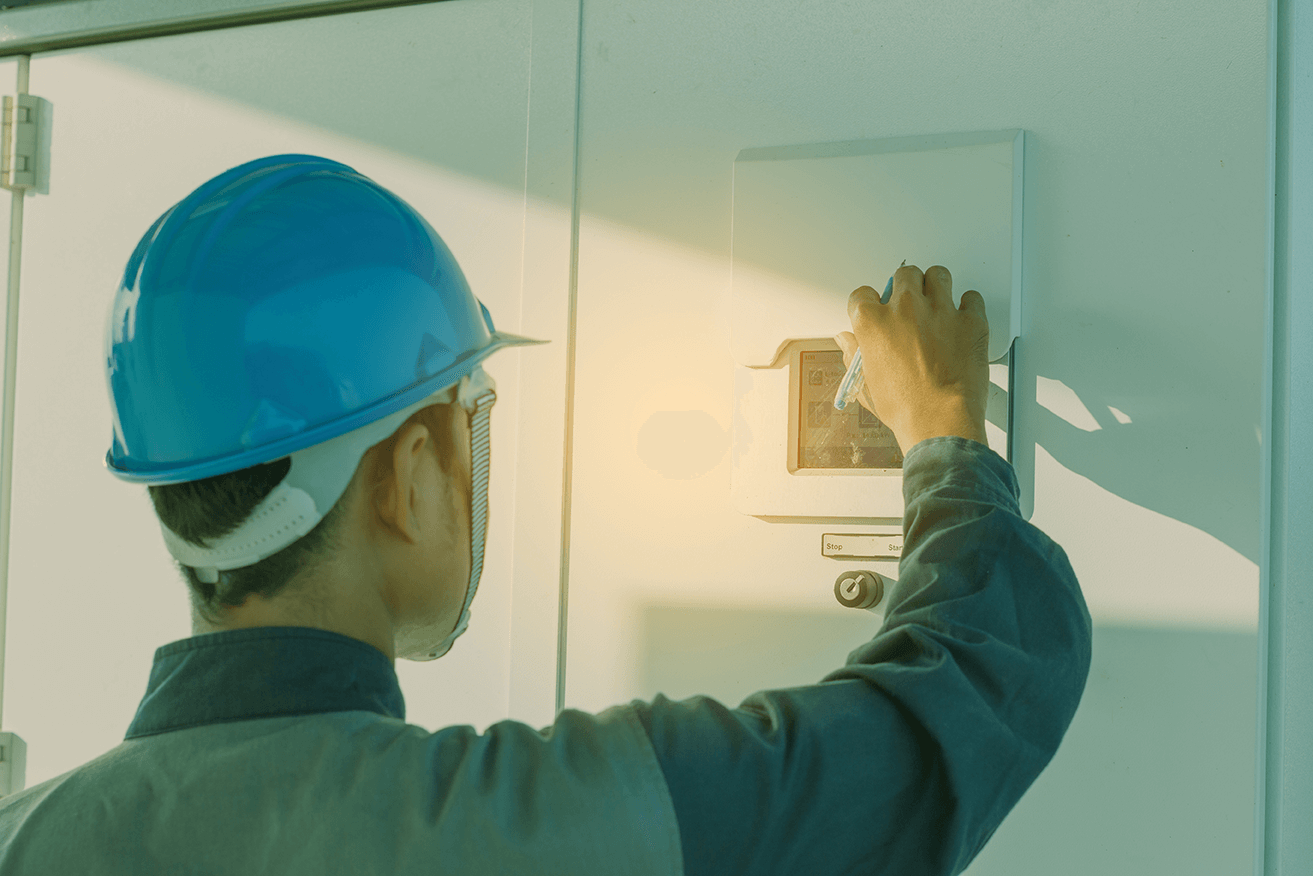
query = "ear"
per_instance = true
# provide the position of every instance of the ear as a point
(397, 495)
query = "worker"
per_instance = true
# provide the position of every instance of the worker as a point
(294, 362)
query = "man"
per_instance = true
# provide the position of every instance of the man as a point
(293, 362)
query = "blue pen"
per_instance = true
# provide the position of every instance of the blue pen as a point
(853, 381)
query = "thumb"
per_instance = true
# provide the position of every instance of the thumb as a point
(847, 342)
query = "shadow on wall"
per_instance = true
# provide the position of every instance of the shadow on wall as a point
(1153, 776)
(1137, 422)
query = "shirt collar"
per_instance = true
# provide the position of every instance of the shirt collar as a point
(264, 672)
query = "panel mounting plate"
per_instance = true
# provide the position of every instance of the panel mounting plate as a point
(814, 222)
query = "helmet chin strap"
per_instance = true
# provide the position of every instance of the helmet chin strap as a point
(318, 477)
(479, 446)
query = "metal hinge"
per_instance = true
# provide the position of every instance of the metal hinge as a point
(13, 763)
(24, 163)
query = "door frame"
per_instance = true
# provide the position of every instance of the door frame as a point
(1283, 844)
(31, 29)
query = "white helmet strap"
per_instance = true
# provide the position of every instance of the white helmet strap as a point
(318, 477)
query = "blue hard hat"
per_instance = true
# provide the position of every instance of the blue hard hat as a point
(283, 303)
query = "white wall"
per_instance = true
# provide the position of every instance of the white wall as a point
(1140, 371)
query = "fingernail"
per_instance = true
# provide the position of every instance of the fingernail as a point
(837, 342)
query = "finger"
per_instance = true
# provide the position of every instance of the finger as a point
(939, 287)
(973, 302)
(862, 303)
(907, 279)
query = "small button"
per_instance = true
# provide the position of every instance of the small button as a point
(859, 589)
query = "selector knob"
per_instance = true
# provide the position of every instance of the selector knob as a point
(860, 589)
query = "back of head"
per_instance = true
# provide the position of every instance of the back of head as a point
(268, 330)
(213, 507)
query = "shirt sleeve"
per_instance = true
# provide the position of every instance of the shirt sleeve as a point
(907, 758)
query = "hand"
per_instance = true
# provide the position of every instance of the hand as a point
(926, 363)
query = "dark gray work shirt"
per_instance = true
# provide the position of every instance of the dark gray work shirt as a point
(285, 749)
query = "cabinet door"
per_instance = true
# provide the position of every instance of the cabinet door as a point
(1137, 400)
(432, 101)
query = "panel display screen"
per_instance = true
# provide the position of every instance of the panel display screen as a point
(827, 438)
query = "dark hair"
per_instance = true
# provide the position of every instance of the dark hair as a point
(215, 506)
